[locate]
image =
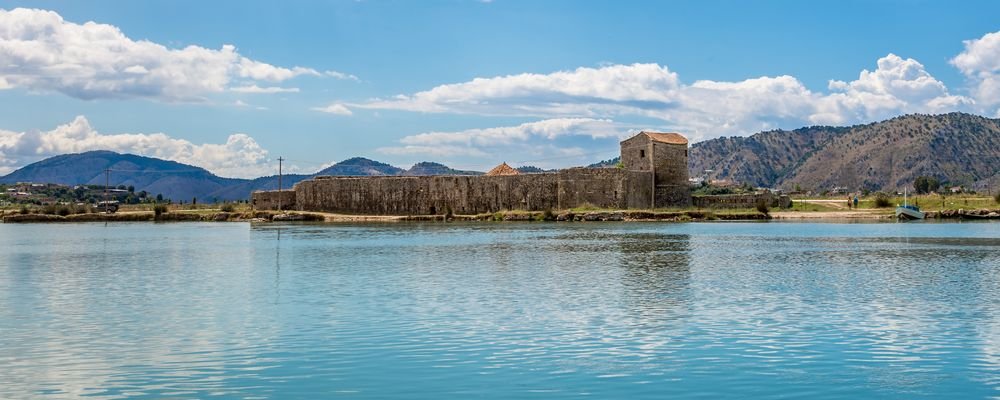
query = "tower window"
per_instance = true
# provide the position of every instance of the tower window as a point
(642, 153)
(685, 153)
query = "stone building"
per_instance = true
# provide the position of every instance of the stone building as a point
(653, 174)
(666, 156)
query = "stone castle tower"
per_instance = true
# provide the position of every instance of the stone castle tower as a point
(666, 156)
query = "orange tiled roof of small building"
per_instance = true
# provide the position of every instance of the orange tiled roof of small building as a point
(666, 137)
(502, 169)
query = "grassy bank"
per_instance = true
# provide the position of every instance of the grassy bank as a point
(169, 216)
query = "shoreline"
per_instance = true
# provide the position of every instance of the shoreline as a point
(505, 216)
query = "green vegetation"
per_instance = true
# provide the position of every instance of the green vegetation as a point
(763, 208)
(159, 209)
(926, 184)
(585, 207)
(996, 198)
(707, 189)
(882, 200)
(227, 207)
(45, 194)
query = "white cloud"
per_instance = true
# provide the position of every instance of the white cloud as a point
(268, 89)
(41, 52)
(524, 93)
(703, 109)
(240, 156)
(529, 143)
(335, 108)
(547, 129)
(341, 75)
(980, 63)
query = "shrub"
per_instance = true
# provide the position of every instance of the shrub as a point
(448, 213)
(548, 215)
(996, 198)
(227, 207)
(882, 200)
(49, 209)
(159, 210)
(763, 208)
(63, 211)
(24, 209)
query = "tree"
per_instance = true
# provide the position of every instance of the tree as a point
(920, 184)
(131, 189)
(932, 184)
(926, 184)
(159, 197)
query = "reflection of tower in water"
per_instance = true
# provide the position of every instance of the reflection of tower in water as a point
(656, 271)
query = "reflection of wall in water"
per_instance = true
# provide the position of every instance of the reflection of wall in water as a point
(656, 271)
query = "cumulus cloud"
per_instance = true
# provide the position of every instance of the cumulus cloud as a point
(42, 52)
(526, 93)
(980, 63)
(703, 109)
(240, 156)
(335, 108)
(267, 89)
(532, 142)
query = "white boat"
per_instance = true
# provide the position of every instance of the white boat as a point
(908, 212)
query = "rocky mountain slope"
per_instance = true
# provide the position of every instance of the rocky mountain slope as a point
(958, 148)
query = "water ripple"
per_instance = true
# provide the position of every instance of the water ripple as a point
(500, 310)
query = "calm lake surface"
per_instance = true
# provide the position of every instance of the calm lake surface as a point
(500, 310)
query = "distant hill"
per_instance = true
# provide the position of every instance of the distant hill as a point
(606, 163)
(432, 168)
(242, 190)
(530, 169)
(172, 179)
(359, 166)
(183, 182)
(958, 148)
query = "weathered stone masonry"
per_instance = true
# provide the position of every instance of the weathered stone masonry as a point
(645, 181)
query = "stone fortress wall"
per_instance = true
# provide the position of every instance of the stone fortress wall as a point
(653, 175)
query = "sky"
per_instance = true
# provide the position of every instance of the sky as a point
(231, 86)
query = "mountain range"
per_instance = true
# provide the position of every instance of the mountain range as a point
(181, 181)
(956, 148)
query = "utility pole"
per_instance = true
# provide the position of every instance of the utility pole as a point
(107, 182)
(280, 160)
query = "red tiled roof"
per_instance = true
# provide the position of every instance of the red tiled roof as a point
(502, 169)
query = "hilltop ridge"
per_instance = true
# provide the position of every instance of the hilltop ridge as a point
(958, 148)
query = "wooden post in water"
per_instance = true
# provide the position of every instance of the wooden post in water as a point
(280, 160)
(107, 182)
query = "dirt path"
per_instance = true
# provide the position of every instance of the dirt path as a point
(863, 214)
(838, 204)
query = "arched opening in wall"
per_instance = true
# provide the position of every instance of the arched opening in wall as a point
(433, 210)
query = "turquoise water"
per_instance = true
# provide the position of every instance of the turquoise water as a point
(500, 310)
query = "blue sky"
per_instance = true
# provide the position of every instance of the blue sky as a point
(468, 83)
